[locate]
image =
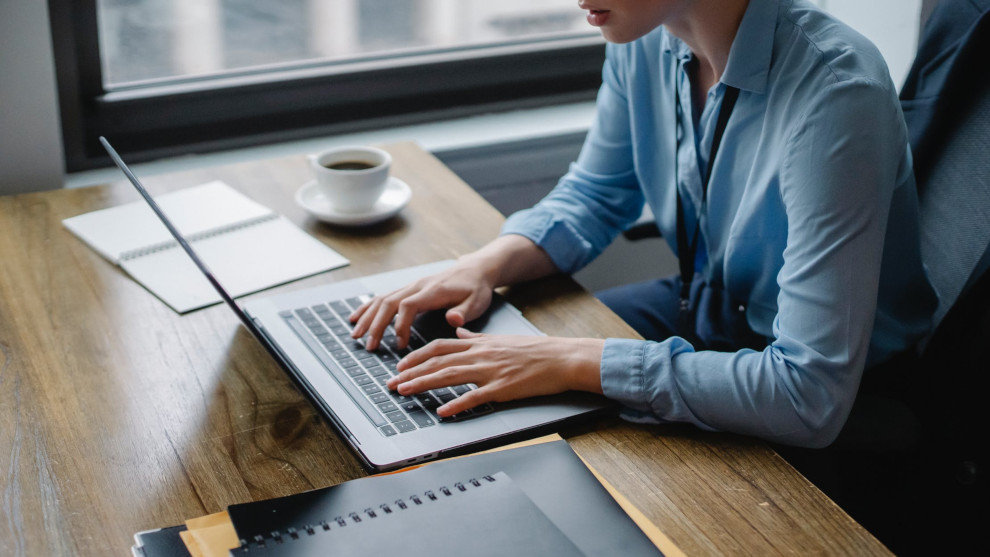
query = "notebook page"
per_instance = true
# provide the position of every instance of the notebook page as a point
(134, 226)
(244, 260)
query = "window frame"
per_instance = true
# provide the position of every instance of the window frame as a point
(279, 103)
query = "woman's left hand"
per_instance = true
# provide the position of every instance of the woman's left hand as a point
(503, 367)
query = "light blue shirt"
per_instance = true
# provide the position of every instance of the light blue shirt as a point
(812, 211)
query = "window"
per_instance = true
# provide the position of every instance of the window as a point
(162, 76)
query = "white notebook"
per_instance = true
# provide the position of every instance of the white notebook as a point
(247, 246)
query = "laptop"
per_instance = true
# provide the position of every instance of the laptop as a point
(308, 334)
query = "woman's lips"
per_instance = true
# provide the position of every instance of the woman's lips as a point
(598, 18)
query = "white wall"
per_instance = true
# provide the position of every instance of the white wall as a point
(30, 136)
(892, 25)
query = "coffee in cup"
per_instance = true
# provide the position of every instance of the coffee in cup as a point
(352, 178)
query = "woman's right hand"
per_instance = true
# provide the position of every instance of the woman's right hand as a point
(466, 288)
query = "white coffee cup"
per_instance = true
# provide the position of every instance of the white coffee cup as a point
(352, 178)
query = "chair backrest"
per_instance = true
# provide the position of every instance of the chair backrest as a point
(954, 202)
(955, 206)
(946, 102)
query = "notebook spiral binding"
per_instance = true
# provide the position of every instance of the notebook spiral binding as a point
(170, 244)
(355, 517)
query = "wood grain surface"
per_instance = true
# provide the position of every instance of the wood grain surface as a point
(119, 415)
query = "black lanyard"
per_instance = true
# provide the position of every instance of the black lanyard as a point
(687, 252)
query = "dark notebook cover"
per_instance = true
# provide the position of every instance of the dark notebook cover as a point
(481, 517)
(550, 474)
(164, 542)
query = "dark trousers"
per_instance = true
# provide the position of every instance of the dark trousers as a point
(716, 321)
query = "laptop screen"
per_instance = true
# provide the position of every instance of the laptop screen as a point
(184, 244)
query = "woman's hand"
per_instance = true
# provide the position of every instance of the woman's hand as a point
(503, 367)
(464, 288)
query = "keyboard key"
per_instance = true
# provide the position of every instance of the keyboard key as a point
(348, 362)
(354, 371)
(371, 389)
(363, 379)
(354, 303)
(339, 354)
(395, 416)
(460, 389)
(376, 370)
(364, 355)
(400, 399)
(444, 395)
(405, 426)
(428, 402)
(340, 307)
(387, 407)
(411, 406)
(382, 379)
(388, 430)
(379, 397)
(353, 344)
(422, 419)
(447, 397)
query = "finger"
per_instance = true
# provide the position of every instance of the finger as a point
(468, 310)
(366, 318)
(464, 402)
(356, 314)
(448, 376)
(435, 348)
(463, 333)
(432, 365)
(386, 311)
(409, 309)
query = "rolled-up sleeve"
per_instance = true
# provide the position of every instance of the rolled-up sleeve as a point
(836, 186)
(598, 197)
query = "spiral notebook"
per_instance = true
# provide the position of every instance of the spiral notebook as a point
(551, 475)
(486, 516)
(546, 473)
(248, 246)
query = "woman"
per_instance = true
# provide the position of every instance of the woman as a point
(768, 141)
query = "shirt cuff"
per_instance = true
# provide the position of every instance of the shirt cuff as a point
(567, 249)
(622, 372)
(638, 374)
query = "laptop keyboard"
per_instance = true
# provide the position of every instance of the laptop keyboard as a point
(363, 374)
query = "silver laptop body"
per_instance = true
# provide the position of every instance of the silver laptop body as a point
(278, 323)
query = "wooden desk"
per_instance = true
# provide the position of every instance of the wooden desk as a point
(118, 415)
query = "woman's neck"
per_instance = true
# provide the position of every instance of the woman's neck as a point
(708, 27)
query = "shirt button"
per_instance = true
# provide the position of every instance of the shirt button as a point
(742, 309)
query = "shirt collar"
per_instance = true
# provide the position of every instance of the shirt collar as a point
(752, 49)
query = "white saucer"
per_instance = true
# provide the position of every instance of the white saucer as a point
(396, 196)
